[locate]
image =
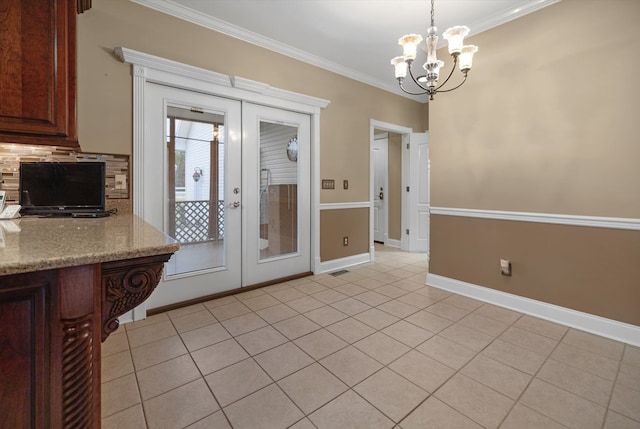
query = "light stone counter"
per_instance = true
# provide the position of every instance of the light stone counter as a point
(36, 244)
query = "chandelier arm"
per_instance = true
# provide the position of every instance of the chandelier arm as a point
(453, 68)
(414, 79)
(455, 87)
(412, 93)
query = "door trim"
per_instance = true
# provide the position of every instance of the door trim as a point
(150, 68)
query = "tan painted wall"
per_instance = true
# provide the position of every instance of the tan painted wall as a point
(395, 186)
(546, 123)
(105, 91)
(343, 223)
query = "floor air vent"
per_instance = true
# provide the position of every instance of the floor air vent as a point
(339, 273)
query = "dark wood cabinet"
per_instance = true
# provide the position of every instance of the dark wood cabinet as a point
(38, 72)
(51, 326)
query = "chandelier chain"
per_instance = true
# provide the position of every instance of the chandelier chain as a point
(432, 14)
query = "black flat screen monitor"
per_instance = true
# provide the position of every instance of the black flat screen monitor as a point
(62, 188)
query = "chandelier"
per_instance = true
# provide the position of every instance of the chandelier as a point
(428, 83)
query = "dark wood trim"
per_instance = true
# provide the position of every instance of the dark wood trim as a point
(83, 5)
(236, 291)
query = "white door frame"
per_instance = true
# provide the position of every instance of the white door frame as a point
(150, 68)
(405, 132)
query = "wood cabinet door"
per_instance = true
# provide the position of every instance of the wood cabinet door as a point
(38, 72)
(25, 305)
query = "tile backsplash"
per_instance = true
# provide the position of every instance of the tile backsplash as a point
(12, 154)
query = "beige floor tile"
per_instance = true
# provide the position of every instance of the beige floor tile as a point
(350, 306)
(416, 300)
(289, 294)
(594, 344)
(369, 283)
(467, 337)
(296, 327)
(629, 376)
(617, 421)
(433, 292)
(242, 324)
(407, 333)
(514, 356)
(283, 360)
(626, 401)
(429, 321)
(261, 340)
(401, 273)
(115, 343)
(325, 315)
(411, 283)
(463, 302)
(541, 327)
(500, 314)
(522, 417)
(304, 304)
(148, 321)
(427, 373)
(230, 310)
(165, 376)
(150, 333)
(312, 387)
(398, 308)
(183, 311)
(131, 418)
(303, 424)
(447, 311)
(372, 298)
(218, 356)
(631, 355)
(576, 381)
(250, 294)
(474, 400)
(435, 414)
(237, 381)
(329, 296)
(267, 408)
(375, 318)
(593, 363)
(320, 344)
(498, 376)
(157, 352)
(447, 352)
(391, 291)
(119, 394)
(382, 348)
(351, 330)
(216, 420)
(116, 366)
(390, 393)
(331, 281)
(262, 301)
(193, 321)
(483, 324)
(311, 288)
(350, 289)
(350, 411)
(277, 313)
(528, 340)
(220, 301)
(562, 406)
(351, 365)
(180, 407)
(205, 336)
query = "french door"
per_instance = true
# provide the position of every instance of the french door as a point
(221, 178)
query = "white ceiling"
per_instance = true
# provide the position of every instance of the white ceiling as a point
(355, 38)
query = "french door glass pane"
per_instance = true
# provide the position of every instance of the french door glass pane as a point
(196, 206)
(278, 196)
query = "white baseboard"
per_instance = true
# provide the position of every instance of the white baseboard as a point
(613, 329)
(393, 243)
(338, 264)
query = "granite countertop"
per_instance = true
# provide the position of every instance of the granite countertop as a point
(35, 244)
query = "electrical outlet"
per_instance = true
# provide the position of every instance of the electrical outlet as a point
(121, 181)
(328, 184)
(345, 241)
(505, 267)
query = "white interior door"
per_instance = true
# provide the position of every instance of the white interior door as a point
(380, 178)
(419, 192)
(192, 182)
(276, 199)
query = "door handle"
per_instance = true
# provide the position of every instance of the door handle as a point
(381, 194)
(234, 204)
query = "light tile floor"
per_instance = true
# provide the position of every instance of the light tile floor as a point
(372, 348)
